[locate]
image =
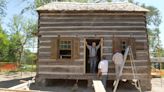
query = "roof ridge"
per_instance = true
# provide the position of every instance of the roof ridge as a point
(76, 6)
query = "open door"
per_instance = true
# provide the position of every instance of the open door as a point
(87, 64)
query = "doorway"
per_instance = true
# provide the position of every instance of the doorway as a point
(87, 64)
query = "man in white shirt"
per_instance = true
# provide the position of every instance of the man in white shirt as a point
(103, 70)
(118, 61)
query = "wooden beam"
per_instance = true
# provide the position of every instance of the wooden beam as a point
(23, 86)
(16, 90)
(98, 86)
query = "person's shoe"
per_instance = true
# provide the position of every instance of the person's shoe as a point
(124, 80)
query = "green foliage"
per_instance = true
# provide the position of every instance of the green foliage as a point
(29, 57)
(153, 17)
(154, 20)
(20, 34)
(4, 42)
(27, 68)
(13, 41)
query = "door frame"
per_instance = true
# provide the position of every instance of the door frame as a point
(101, 49)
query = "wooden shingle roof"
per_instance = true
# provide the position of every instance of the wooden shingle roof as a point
(73, 6)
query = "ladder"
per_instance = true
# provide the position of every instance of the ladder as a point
(129, 52)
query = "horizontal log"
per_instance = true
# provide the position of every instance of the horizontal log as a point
(71, 68)
(141, 57)
(81, 61)
(80, 24)
(44, 53)
(89, 27)
(128, 65)
(91, 17)
(51, 61)
(142, 54)
(92, 33)
(48, 41)
(44, 57)
(56, 62)
(49, 49)
(129, 70)
(141, 46)
(45, 22)
(107, 50)
(107, 43)
(93, 28)
(45, 46)
(107, 54)
(48, 56)
(44, 49)
(63, 68)
(48, 14)
(49, 75)
(142, 51)
(112, 31)
(109, 37)
(141, 40)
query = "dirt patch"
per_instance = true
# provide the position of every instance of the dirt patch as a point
(9, 80)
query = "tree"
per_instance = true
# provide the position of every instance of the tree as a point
(153, 23)
(4, 42)
(29, 57)
(20, 33)
(2, 7)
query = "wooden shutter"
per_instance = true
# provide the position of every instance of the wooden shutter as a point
(116, 44)
(132, 43)
(76, 48)
(54, 48)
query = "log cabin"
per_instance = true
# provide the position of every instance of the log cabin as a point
(64, 27)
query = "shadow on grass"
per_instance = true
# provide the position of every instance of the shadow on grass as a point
(10, 83)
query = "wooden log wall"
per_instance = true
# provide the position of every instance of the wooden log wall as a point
(84, 25)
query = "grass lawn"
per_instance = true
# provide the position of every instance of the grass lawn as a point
(27, 68)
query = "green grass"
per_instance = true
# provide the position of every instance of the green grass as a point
(27, 68)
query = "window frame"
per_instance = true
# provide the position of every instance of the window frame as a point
(58, 50)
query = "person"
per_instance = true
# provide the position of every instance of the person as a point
(93, 56)
(103, 70)
(118, 61)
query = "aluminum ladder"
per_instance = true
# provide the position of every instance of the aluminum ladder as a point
(129, 52)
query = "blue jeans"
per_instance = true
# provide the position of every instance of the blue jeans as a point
(93, 63)
(104, 80)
